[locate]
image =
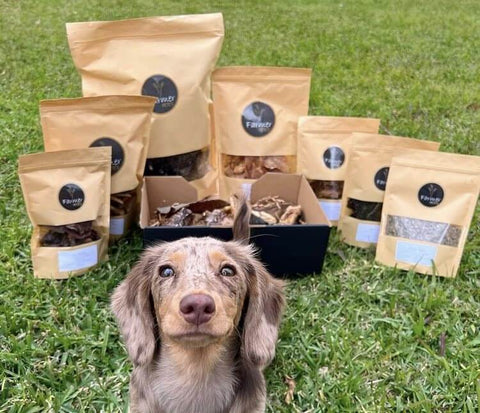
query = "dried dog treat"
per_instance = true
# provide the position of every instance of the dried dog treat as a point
(68, 235)
(275, 210)
(422, 230)
(122, 203)
(192, 165)
(327, 189)
(366, 179)
(67, 199)
(254, 167)
(429, 203)
(256, 113)
(366, 211)
(323, 152)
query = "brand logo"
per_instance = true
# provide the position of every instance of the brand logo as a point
(71, 197)
(430, 195)
(333, 157)
(258, 119)
(118, 156)
(381, 177)
(164, 90)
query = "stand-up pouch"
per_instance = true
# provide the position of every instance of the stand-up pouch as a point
(429, 204)
(256, 114)
(67, 196)
(170, 58)
(323, 151)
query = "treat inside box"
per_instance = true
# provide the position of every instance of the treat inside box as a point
(286, 249)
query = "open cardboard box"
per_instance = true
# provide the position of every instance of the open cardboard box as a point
(284, 249)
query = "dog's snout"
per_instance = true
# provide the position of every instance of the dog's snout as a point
(197, 308)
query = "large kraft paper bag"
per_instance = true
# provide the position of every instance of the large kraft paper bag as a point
(429, 204)
(256, 112)
(67, 197)
(323, 152)
(365, 183)
(122, 122)
(170, 58)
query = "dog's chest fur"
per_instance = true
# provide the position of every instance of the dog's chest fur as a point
(206, 384)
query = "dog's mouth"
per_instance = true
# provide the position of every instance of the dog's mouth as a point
(197, 337)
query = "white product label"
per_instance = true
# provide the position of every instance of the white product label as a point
(413, 253)
(247, 189)
(117, 226)
(331, 209)
(77, 259)
(368, 233)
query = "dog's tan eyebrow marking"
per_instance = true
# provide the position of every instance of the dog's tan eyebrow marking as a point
(176, 257)
(216, 257)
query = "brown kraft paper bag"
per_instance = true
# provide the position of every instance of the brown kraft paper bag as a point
(122, 122)
(429, 204)
(256, 114)
(322, 156)
(170, 58)
(67, 200)
(365, 182)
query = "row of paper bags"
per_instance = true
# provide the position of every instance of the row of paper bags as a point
(259, 118)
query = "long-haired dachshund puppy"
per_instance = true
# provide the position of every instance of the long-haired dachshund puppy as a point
(200, 319)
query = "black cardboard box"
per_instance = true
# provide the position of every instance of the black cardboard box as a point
(285, 249)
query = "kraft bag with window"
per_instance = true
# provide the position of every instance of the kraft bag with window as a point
(170, 58)
(67, 196)
(323, 151)
(429, 204)
(365, 182)
(256, 112)
(122, 122)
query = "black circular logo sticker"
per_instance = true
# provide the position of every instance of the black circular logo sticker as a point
(430, 194)
(258, 119)
(381, 177)
(333, 157)
(118, 156)
(164, 90)
(71, 197)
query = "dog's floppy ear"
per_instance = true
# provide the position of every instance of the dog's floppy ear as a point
(265, 302)
(241, 222)
(132, 306)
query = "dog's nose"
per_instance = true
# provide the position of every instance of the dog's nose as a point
(197, 308)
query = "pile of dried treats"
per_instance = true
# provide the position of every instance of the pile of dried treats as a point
(253, 167)
(68, 235)
(214, 212)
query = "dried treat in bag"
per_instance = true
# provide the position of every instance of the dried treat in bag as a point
(67, 199)
(365, 183)
(429, 204)
(323, 152)
(256, 111)
(170, 58)
(121, 122)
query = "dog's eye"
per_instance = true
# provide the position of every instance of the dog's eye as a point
(166, 272)
(228, 271)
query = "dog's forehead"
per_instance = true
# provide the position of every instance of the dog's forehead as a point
(195, 250)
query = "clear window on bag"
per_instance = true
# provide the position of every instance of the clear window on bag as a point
(253, 167)
(421, 230)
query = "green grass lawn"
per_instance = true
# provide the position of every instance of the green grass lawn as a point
(358, 337)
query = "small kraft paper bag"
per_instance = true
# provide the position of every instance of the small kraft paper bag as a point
(429, 204)
(170, 58)
(365, 182)
(67, 196)
(323, 151)
(256, 113)
(121, 122)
